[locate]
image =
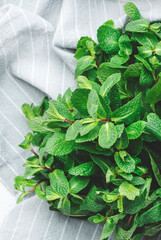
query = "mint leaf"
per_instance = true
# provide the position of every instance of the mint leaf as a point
(128, 190)
(129, 112)
(59, 182)
(154, 125)
(125, 162)
(73, 130)
(133, 70)
(108, 39)
(140, 25)
(95, 107)
(79, 100)
(150, 216)
(76, 184)
(107, 135)
(104, 71)
(84, 169)
(28, 111)
(58, 111)
(57, 145)
(135, 129)
(154, 94)
(93, 202)
(83, 82)
(84, 63)
(109, 83)
(132, 11)
(125, 45)
(26, 143)
(40, 124)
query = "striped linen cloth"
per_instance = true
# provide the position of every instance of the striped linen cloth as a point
(37, 43)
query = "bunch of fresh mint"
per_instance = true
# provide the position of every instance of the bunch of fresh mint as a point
(99, 147)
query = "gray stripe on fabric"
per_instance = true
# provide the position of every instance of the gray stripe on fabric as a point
(63, 231)
(17, 222)
(32, 45)
(5, 139)
(48, 227)
(34, 219)
(6, 118)
(79, 230)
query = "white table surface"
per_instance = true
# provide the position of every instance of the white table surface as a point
(7, 202)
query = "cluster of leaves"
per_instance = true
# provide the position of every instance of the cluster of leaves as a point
(99, 147)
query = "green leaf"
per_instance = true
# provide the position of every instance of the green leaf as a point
(58, 111)
(125, 162)
(104, 71)
(76, 184)
(150, 216)
(83, 82)
(73, 130)
(107, 135)
(123, 141)
(133, 70)
(31, 171)
(82, 49)
(125, 45)
(21, 197)
(132, 11)
(154, 125)
(95, 107)
(158, 49)
(140, 25)
(91, 136)
(154, 94)
(51, 195)
(59, 182)
(66, 99)
(135, 129)
(110, 225)
(116, 59)
(120, 129)
(64, 205)
(146, 78)
(57, 145)
(155, 168)
(102, 162)
(109, 83)
(87, 128)
(108, 39)
(144, 62)
(96, 218)
(93, 201)
(128, 190)
(147, 39)
(145, 51)
(28, 111)
(134, 206)
(84, 169)
(90, 46)
(26, 143)
(128, 113)
(79, 100)
(84, 64)
(39, 124)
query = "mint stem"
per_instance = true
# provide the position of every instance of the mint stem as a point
(105, 120)
(156, 77)
(66, 120)
(129, 221)
(97, 62)
(34, 153)
(36, 185)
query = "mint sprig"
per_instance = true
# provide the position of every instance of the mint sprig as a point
(98, 148)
